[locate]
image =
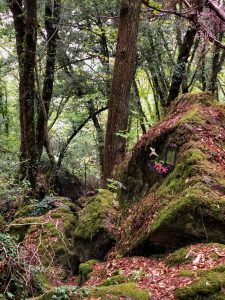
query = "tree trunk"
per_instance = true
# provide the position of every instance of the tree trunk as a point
(16, 8)
(217, 62)
(29, 94)
(180, 67)
(115, 145)
(25, 23)
(52, 15)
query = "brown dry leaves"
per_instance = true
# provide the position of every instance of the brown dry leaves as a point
(154, 275)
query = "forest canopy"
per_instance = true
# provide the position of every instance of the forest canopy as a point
(57, 61)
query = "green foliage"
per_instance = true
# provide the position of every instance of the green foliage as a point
(66, 293)
(36, 209)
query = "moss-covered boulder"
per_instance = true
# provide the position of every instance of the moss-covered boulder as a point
(46, 235)
(126, 290)
(177, 195)
(115, 280)
(209, 285)
(95, 231)
(122, 291)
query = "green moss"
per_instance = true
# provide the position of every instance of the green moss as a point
(206, 98)
(53, 238)
(114, 280)
(2, 223)
(178, 257)
(208, 286)
(85, 269)
(19, 231)
(128, 290)
(187, 273)
(69, 219)
(176, 182)
(93, 217)
(176, 213)
(25, 211)
(193, 116)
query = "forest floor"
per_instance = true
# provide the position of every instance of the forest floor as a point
(161, 276)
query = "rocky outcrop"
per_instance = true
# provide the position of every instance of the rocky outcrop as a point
(176, 196)
(95, 231)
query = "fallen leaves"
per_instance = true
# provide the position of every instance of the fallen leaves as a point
(154, 275)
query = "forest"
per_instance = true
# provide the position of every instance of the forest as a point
(112, 149)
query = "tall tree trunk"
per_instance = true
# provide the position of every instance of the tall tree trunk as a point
(25, 23)
(115, 145)
(16, 7)
(29, 94)
(217, 62)
(52, 16)
(180, 67)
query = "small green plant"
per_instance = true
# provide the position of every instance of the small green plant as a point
(42, 207)
(65, 292)
(113, 185)
(138, 274)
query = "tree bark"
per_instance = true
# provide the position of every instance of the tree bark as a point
(217, 62)
(52, 18)
(16, 8)
(115, 146)
(25, 24)
(29, 94)
(180, 67)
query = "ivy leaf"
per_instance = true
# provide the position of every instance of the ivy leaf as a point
(10, 295)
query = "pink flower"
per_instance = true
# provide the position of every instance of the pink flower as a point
(160, 168)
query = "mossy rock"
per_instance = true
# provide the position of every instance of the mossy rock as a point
(168, 211)
(178, 257)
(50, 235)
(210, 285)
(128, 290)
(115, 280)
(187, 273)
(95, 231)
(42, 207)
(85, 269)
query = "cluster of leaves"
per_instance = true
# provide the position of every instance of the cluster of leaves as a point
(65, 292)
(42, 207)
